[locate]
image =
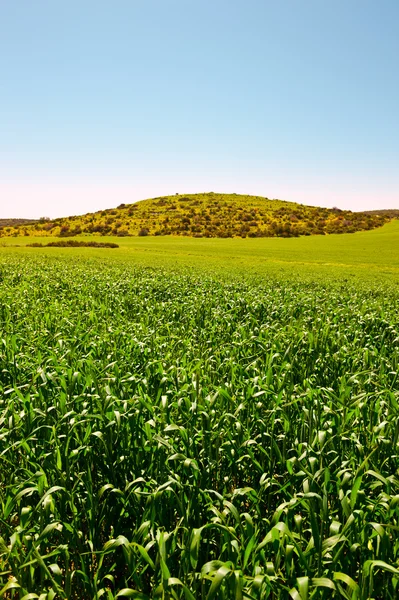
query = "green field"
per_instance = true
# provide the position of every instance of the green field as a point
(200, 418)
(364, 255)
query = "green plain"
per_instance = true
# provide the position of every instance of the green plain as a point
(365, 255)
(200, 419)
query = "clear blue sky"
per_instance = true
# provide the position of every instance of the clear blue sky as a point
(107, 102)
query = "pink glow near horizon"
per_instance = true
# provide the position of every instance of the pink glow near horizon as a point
(35, 199)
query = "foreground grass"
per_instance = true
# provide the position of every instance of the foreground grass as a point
(165, 434)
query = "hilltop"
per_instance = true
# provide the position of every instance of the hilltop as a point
(206, 215)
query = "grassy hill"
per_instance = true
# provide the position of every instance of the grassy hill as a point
(206, 215)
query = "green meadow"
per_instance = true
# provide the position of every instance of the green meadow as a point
(364, 255)
(201, 418)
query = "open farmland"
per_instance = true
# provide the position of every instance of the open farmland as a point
(201, 419)
(367, 255)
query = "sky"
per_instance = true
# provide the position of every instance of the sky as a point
(108, 102)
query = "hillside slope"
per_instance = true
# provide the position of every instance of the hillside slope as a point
(207, 215)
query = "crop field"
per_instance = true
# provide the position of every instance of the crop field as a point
(371, 255)
(227, 432)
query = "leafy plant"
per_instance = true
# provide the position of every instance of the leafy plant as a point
(170, 435)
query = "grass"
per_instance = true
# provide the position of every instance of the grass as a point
(200, 419)
(369, 255)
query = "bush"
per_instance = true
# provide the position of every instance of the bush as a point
(74, 244)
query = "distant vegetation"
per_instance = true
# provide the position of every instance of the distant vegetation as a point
(390, 212)
(207, 215)
(16, 222)
(74, 244)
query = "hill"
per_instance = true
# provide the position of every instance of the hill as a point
(206, 215)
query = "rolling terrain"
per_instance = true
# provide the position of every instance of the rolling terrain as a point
(206, 215)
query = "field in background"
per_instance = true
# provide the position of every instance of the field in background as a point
(200, 419)
(371, 254)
